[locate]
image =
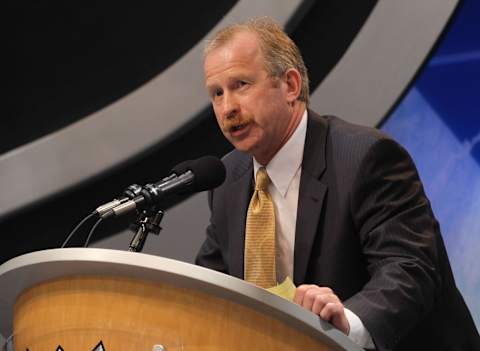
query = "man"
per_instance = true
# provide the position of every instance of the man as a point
(352, 226)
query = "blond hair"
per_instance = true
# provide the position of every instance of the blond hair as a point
(279, 51)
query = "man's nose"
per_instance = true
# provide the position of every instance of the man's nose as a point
(230, 106)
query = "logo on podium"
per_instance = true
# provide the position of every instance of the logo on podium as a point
(98, 347)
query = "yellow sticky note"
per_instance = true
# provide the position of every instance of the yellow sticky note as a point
(285, 290)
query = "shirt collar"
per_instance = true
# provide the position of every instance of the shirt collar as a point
(286, 162)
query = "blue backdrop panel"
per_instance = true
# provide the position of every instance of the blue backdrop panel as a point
(439, 123)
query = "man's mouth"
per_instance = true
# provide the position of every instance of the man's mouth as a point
(237, 127)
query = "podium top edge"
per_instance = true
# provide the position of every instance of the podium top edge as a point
(27, 270)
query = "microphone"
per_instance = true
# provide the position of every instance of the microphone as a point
(187, 177)
(134, 190)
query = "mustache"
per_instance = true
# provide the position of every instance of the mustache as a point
(229, 123)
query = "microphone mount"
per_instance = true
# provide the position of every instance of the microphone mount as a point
(148, 221)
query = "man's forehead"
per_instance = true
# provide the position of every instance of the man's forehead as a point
(242, 50)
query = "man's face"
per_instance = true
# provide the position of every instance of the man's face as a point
(252, 109)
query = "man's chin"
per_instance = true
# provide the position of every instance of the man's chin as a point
(243, 146)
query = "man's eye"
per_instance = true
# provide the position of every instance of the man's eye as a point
(218, 92)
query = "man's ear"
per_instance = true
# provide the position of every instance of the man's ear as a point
(293, 80)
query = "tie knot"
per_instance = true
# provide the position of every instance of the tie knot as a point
(262, 181)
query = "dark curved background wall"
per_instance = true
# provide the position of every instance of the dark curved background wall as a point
(72, 60)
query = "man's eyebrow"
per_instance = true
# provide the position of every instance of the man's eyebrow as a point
(212, 89)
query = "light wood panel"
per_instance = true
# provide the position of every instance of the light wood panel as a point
(126, 314)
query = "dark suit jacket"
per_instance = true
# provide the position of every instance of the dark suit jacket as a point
(365, 229)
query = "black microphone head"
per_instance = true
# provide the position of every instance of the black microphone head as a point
(209, 172)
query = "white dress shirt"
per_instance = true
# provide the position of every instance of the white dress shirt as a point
(284, 171)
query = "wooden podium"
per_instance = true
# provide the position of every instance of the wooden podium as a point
(96, 299)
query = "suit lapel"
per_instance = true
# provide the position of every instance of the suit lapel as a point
(311, 195)
(240, 190)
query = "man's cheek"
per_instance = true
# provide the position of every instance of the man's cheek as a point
(219, 122)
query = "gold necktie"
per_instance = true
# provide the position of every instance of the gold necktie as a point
(260, 235)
